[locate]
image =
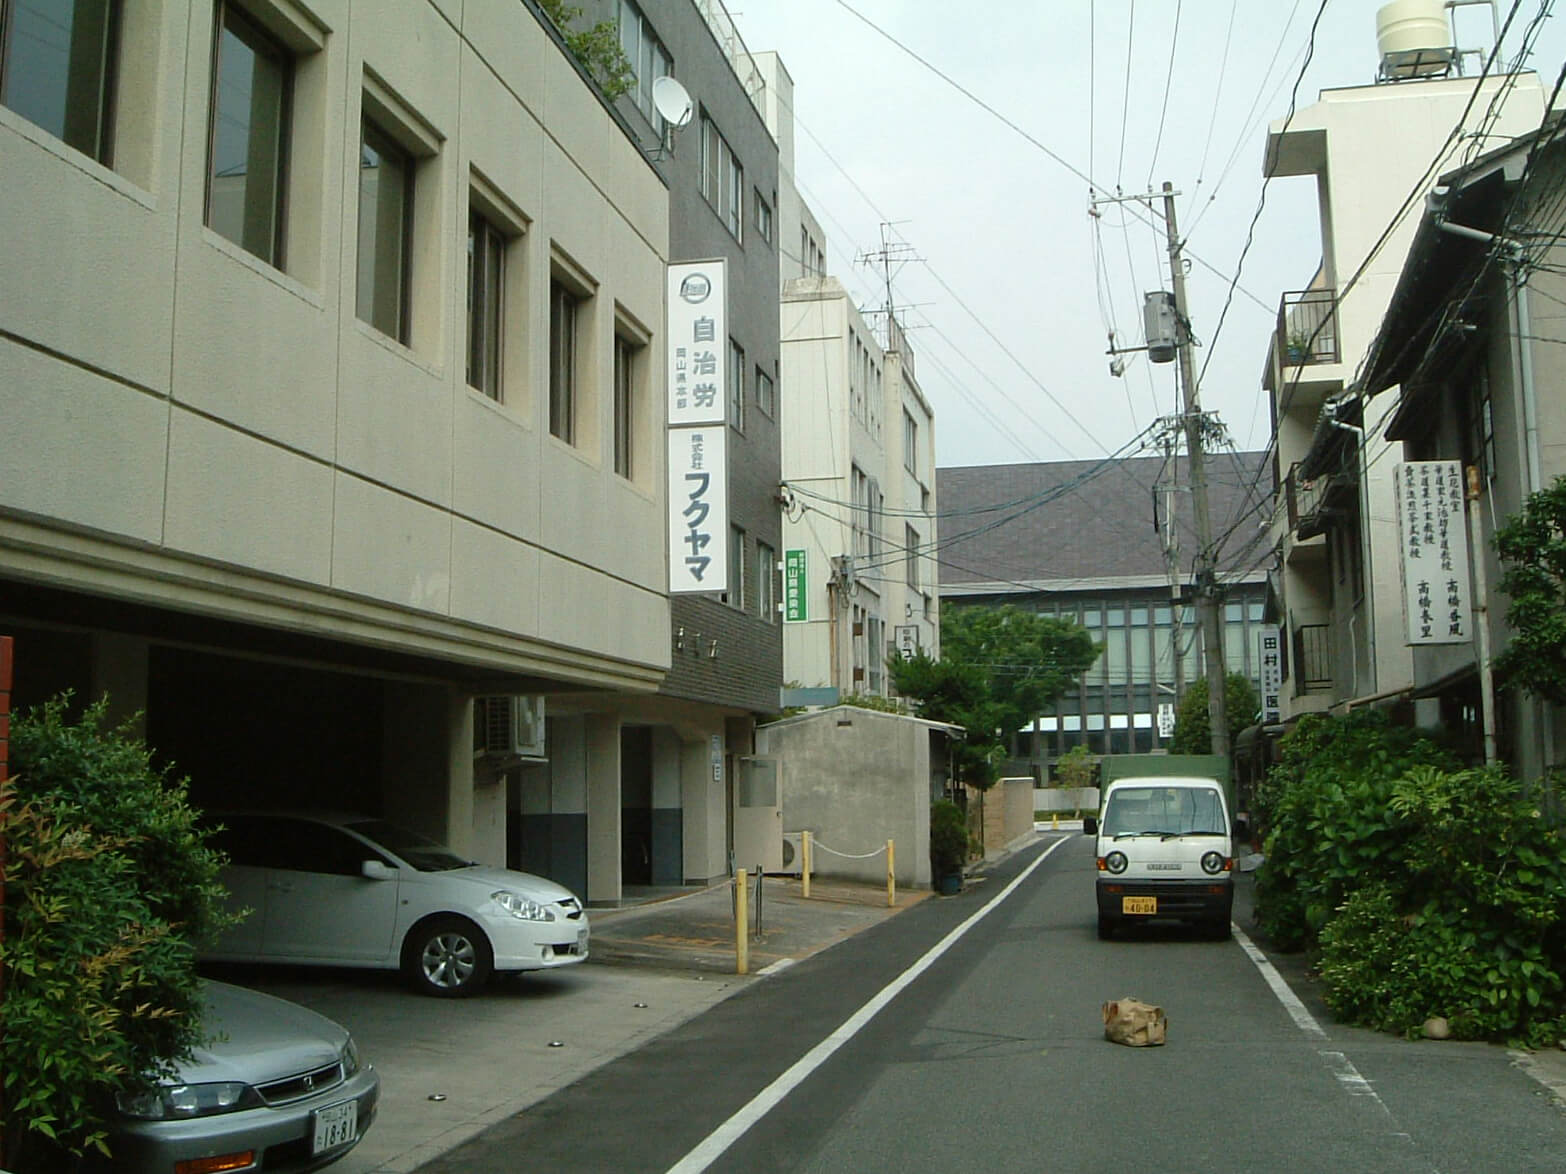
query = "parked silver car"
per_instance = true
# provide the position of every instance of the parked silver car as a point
(354, 891)
(278, 1088)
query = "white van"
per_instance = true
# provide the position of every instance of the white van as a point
(1165, 850)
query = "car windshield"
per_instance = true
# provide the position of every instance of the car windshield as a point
(424, 854)
(1164, 811)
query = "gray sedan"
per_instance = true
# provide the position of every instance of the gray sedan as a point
(279, 1088)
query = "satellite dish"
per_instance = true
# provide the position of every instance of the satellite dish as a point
(672, 101)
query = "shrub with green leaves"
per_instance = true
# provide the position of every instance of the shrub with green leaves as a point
(108, 885)
(1326, 809)
(1471, 923)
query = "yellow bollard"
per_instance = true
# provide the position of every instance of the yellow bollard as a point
(1055, 822)
(891, 875)
(805, 861)
(741, 924)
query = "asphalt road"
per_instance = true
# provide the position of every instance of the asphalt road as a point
(992, 1057)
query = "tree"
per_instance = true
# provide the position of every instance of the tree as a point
(999, 667)
(596, 48)
(1193, 733)
(108, 886)
(1533, 545)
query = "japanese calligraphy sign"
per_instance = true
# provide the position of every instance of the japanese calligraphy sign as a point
(698, 509)
(795, 586)
(907, 640)
(1433, 546)
(698, 342)
(1271, 661)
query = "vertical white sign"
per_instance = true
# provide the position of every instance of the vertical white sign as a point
(1433, 549)
(698, 342)
(1270, 641)
(698, 509)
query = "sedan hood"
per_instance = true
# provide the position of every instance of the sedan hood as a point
(536, 888)
(255, 1038)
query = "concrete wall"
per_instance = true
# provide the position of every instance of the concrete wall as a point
(1050, 799)
(855, 778)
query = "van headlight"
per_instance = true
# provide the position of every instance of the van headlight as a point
(521, 907)
(1213, 863)
(1115, 862)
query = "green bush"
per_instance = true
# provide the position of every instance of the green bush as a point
(1468, 926)
(108, 885)
(948, 838)
(1326, 808)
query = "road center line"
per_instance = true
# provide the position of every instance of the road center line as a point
(720, 1139)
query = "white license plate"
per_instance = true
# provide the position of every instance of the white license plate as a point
(335, 1126)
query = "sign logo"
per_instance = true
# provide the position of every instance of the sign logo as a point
(695, 288)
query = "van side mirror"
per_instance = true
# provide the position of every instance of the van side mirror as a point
(1090, 825)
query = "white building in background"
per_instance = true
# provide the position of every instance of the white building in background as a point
(859, 528)
(1337, 594)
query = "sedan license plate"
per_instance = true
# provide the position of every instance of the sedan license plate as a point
(1139, 904)
(335, 1126)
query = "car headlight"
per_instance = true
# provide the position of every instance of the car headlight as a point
(1115, 862)
(182, 1101)
(349, 1057)
(1213, 863)
(521, 907)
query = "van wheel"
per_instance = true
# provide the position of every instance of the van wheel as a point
(1106, 927)
(1220, 930)
(447, 957)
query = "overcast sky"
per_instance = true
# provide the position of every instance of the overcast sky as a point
(1008, 284)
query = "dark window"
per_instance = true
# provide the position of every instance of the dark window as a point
(563, 306)
(385, 228)
(624, 402)
(247, 151)
(57, 62)
(486, 304)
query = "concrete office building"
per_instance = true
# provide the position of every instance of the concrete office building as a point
(319, 323)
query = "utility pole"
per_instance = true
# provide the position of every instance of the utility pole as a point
(1206, 578)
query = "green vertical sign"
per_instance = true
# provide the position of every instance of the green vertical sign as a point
(794, 587)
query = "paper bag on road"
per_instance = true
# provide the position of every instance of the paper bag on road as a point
(1134, 1023)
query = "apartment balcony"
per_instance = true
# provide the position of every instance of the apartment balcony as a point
(1312, 659)
(1312, 502)
(1306, 360)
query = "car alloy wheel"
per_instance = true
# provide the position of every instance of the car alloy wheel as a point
(447, 956)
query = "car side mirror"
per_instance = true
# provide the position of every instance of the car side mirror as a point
(377, 870)
(1090, 825)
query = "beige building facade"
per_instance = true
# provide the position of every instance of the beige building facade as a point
(330, 400)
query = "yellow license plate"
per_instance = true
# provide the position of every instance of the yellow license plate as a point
(1139, 904)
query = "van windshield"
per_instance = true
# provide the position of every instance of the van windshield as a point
(1164, 811)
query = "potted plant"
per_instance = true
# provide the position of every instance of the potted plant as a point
(1298, 347)
(948, 845)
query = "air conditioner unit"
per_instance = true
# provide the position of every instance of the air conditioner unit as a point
(509, 727)
(793, 854)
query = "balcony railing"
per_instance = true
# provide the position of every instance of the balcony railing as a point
(1303, 498)
(1307, 327)
(1312, 659)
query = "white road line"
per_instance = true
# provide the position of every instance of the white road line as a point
(1342, 1068)
(721, 1138)
(1291, 1002)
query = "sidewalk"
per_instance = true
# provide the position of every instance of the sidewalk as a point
(695, 930)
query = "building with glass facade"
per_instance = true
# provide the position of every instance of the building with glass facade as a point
(1080, 540)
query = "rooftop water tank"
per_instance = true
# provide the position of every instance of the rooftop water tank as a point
(1413, 39)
